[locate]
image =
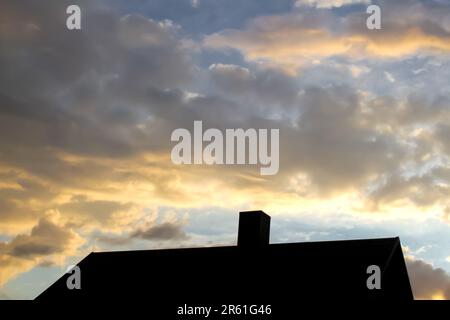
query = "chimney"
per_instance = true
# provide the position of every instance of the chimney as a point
(254, 229)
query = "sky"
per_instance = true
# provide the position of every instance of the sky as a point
(86, 118)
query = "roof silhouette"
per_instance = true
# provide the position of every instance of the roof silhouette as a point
(254, 271)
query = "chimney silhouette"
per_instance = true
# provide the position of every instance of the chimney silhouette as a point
(254, 229)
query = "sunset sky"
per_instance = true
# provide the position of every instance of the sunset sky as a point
(86, 118)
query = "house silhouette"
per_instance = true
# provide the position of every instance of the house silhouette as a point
(254, 271)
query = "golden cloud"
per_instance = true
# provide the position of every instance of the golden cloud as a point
(47, 242)
(291, 41)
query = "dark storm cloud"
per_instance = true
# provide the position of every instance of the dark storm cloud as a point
(163, 231)
(332, 144)
(265, 88)
(116, 90)
(83, 91)
(46, 238)
(151, 231)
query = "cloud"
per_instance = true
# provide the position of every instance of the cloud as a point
(428, 282)
(195, 3)
(147, 230)
(50, 104)
(120, 114)
(330, 126)
(270, 92)
(422, 191)
(326, 4)
(97, 132)
(113, 215)
(161, 227)
(442, 134)
(47, 241)
(46, 238)
(294, 40)
(164, 231)
(22, 200)
(82, 110)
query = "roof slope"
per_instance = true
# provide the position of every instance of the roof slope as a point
(282, 272)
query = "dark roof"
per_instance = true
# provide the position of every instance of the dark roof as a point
(286, 271)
